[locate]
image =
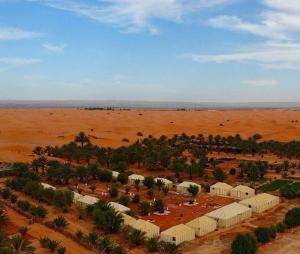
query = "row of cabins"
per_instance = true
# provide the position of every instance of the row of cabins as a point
(223, 217)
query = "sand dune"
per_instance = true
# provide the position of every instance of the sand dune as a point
(23, 129)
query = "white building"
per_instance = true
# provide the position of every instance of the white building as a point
(178, 234)
(202, 225)
(134, 177)
(220, 189)
(242, 192)
(147, 227)
(183, 187)
(84, 201)
(115, 174)
(230, 214)
(118, 207)
(165, 181)
(48, 186)
(261, 202)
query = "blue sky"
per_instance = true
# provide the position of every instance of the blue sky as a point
(155, 50)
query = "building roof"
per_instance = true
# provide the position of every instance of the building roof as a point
(178, 230)
(77, 195)
(187, 184)
(88, 200)
(203, 220)
(145, 226)
(228, 211)
(136, 176)
(222, 186)
(128, 220)
(115, 173)
(118, 207)
(243, 188)
(164, 180)
(259, 199)
(48, 186)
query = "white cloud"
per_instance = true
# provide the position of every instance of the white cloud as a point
(12, 33)
(279, 20)
(55, 48)
(134, 15)
(261, 82)
(279, 55)
(7, 63)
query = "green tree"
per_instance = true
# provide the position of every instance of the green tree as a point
(149, 182)
(137, 237)
(144, 208)
(219, 174)
(292, 217)
(262, 235)
(82, 139)
(244, 244)
(193, 190)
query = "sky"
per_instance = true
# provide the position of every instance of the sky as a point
(153, 50)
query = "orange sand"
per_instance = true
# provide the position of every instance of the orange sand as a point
(23, 129)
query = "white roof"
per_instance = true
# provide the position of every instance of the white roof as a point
(178, 230)
(188, 184)
(118, 207)
(243, 188)
(48, 186)
(228, 211)
(128, 220)
(135, 176)
(259, 199)
(164, 180)
(88, 200)
(77, 196)
(203, 220)
(222, 186)
(145, 226)
(115, 173)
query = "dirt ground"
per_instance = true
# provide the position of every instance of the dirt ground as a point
(23, 129)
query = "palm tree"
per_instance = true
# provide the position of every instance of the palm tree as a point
(19, 245)
(137, 237)
(82, 138)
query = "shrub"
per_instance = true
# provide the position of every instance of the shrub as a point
(170, 248)
(105, 176)
(136, 198)
(61, 250)
(137, 237)
(39, 211)
(165, 190)
(219, 174)
(123, 178)
(114, 191)
(281, 227)
(118, 250)
(159, 206)
(288, 192)
(24, 205)
(60, 222)
(124, 200)
(79, 234)
(5, 193)
(150, 193)
(144, 208)
(13, 198)
(272, 232)
(149, 182)
(244, 244)
(152, 245)
(262, 235)
(292, 217)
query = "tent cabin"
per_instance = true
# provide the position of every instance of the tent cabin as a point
(178, 234)
(84, 201)
(220, 189)
(132, 178)
(128, 220)
(115, 174)
(261, 202)
(118, 207)
(242, 192)
(183, 187)
(166, 182)
(76, 196)
(229, 215)
(202, 225)
(48, 186)
(147, 227)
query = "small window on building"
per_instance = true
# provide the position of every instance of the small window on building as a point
(174, 239)
(247, 193)
(250, 206)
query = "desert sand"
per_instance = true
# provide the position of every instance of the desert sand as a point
(23, 129)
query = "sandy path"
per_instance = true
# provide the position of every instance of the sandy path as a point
(37, 231)
(23, 129)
